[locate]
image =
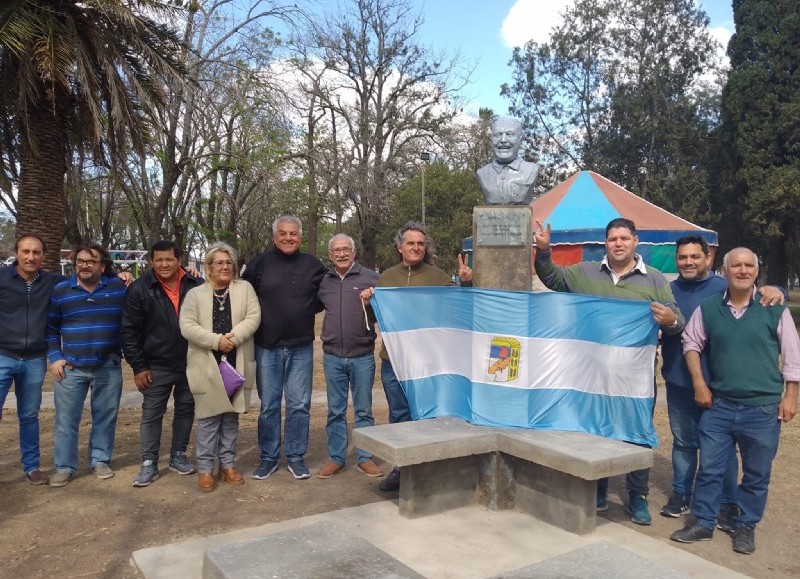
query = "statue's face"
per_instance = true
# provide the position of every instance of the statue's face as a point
(506, 138)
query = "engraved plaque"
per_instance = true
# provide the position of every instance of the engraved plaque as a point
(502, 227)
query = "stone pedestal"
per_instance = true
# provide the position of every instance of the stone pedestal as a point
(501, 247)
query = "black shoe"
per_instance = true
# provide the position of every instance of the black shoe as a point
(391, 482)
(727, 512)
(691, 532)
(675, 507)
(744, 539)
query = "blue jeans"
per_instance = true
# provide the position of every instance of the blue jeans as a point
(284, 370)
(341, 375)
(398, 403)
(70, 393)
(27, 376)
(756, 430)
(684, 422)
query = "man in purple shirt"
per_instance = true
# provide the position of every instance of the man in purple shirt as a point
(746, 401)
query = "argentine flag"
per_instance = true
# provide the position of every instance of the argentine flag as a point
(531, 360)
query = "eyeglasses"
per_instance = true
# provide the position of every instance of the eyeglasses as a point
(221, 264)
(345, 251)
(89, 262)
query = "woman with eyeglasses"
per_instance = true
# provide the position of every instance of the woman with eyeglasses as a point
(219, 318)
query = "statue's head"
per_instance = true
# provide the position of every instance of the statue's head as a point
(506, 139)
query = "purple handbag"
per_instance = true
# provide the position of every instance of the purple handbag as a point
(231, 378)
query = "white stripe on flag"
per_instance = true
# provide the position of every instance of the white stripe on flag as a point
(541, 363)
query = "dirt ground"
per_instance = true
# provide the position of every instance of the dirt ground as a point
(90, 527)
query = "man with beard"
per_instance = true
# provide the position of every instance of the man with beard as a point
(83, 339)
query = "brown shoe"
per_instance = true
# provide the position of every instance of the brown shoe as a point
(369, 468)
(206, 482)
(231, 475)
(329, 469)
(37, 477)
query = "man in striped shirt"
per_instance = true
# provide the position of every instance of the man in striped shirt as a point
(83, 342)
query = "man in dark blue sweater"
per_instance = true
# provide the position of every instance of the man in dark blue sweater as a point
(25, 294)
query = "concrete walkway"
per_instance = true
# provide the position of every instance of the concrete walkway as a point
(465, 543)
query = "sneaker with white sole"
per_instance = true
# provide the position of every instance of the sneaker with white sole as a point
(299, 469)
(147, 474)
(180, 463)
(266, 468)
(675, 507)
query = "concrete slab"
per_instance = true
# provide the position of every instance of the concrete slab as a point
(426, 441)
(583, 455)
(316, 550)
(467, 543)
(577, 453)
(598, 561)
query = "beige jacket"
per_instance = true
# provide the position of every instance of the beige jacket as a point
(202, 370)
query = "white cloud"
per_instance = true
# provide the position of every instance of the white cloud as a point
(723, 35)
(532, 20)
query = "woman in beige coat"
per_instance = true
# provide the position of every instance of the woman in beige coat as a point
(219, 317)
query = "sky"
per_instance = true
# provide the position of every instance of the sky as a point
(486, 31)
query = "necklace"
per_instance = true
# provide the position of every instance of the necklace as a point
(220, 298)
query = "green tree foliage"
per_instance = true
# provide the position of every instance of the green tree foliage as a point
(72, 74)
(620, 89)
(450, 196)
(760, 184)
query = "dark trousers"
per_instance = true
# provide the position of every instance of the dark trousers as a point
(154, 406)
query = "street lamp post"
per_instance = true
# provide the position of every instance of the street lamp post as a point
(425, 157)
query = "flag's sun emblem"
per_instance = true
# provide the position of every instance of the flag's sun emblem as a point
(504, 359)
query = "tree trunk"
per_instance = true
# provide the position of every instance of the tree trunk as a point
(777, 267)
(43, 166)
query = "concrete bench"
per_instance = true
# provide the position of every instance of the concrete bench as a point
(448, 463)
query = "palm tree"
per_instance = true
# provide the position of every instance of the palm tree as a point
(76, 74)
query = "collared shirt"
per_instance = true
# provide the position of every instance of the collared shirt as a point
(695, 337)
(83, 327)
(507, 183)
(638, 265)
(174, 295)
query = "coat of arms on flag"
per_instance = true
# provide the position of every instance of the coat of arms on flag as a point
(504, 359)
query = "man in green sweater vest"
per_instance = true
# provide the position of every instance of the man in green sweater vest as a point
(415, 269)
(621, 274)
(746, 401)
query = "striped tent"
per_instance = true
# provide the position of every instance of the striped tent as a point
(579, 209)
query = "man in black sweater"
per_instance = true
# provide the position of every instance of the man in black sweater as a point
(286, 281)
(156, 351)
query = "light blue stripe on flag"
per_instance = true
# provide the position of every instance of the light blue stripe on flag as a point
(520, 359)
